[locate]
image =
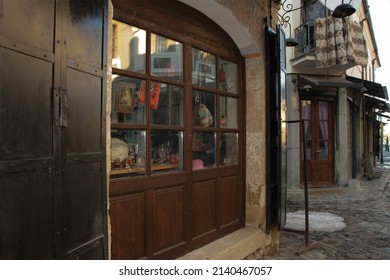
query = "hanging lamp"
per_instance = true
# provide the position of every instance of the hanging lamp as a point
(343, 10)
(290, 41)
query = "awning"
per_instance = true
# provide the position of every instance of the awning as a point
(331, 81)
(373, 88)
(376, 103)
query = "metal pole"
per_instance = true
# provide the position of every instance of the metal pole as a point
(306, 187)
(302, 122)
(381, 141)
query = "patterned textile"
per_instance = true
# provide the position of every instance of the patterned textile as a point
(338, 41)
(154, 92)
(356, 45)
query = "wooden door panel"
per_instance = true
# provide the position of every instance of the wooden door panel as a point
(204, 205)
(229, 200)
(84, 131)
(58, 201)
(25, 115)
(128, 226)
(83, 32)
(26, 155)
(26, 215)
(323, 173)
(169, 217)
(94, 250)
(82, 198)
(31, 23)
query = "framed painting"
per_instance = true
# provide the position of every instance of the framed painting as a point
(124, 99)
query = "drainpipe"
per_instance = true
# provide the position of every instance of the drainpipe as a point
(365, 150)
(354, 160)
(381, 144)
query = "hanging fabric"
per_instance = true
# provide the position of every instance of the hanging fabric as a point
(154, 92)
(356, 45)
(329, 39)
(339, 41)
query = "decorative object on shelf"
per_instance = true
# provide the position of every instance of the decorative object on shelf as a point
(223, 121)
(226, 83)
(119, 150)
(202, 116)
(173, 160)
(168, 148)
(197, 164)
(154, 92)
(116, 163)
(124, 99)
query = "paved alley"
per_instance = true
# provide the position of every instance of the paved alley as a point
(363, 210)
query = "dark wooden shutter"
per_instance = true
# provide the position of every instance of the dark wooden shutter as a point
(273, 129)
(52, 148)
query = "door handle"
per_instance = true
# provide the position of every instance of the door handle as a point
(61, 107)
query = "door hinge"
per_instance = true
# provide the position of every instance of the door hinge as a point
(61, 107)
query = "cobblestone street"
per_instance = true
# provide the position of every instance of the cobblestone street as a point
(366, 212)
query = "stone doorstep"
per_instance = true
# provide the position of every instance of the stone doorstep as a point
(235, 246)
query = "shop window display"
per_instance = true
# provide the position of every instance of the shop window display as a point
(148, 112)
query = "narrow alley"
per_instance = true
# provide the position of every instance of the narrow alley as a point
(364, 210)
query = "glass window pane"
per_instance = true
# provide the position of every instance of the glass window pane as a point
(228, 112)
(167, 151)
(127, 106)
(203, 150)
(203, 68)
(167, 58)
(323, 110)
(127, 152)
(228, 151)
(308, 150)
(203, 109)
(323, 130)
(168, 106)
(323, 150)
(128, 47)
(227, 76)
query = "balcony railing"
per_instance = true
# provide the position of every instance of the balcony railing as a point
(305, 36)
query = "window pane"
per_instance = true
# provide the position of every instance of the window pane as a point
(127, 152)
(323, 150)
(129, 47)
(228, 150)
(203, 109)
(308, 150)
(203, 68)
(127, 104)
(167, 151)
(228, 111)
(323, 110)
(227, 76)
(168, 106)
(203, 150)
(167, 58)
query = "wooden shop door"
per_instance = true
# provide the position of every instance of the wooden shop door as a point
(319, 137)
